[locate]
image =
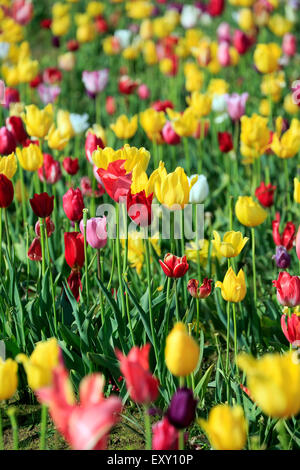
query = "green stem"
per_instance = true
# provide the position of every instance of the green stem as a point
(85, 211)
(254, 265)
(12, 416)
(235, 334)
(100, 277)
(227, 349)
(176, 301)
(187, 155)
(198, 317)
(23, 193)
(42, 244)
(44, 417)
(147, 243)
(148, 440)
(51, 282)
(118, 251)
(7, 233)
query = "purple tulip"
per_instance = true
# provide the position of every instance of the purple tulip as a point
(282, 258)
(181, 411)
(236, 105)
(96, 234)
(95, 81)
(48, 94)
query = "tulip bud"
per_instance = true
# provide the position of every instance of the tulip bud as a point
(265, 194)
(35, 250)
(165, 436)
(181, 351)
(173, 266)
(71, 165)
(282, 258)
(6, 192)
(225, 141)
(73, 204)
(289, 44)
(181, 412)
(42, 205)
(169, 135)
(96, 234)
(110, 105)
(8, 378)
(199, 190)
(143, 92)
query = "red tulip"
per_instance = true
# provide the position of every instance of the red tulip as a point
(288, 235)
(6, 192)
(199, 292)
(52, 75)
(110, 105)
(241, 42)
(73, 204)
(73, 45)
(84, 425)
(288, 289)
(291, 327)
(15, 125)
(162, 105)
(36, 81)
(126, 85)
(265, 194)
(215, 7)
(46, 23)
(11, 96)
(22, 11)
(298, 243)
(139, 208)
(169, 135)
(42, 205)
(92, 142)
(74, 282)
(35, 250)
(141, 384)
(165, 436)
(173, 266)
(74, 249)
(7, 142)
(71, 165)
(101, 25)
(225, 141)
(50, 171)
(49, 225)
(115, 180)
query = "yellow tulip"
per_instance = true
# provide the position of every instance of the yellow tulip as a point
(149, 53)
(249, 212)
(193, 251)
(255, 136)
(274, 382)
(233, 287)
(86, 33)
(30, 158)
(286, 145)
(41, 363)
(95, 9)
(27, 70)
(133, 157)
(152, 122)
(146, 30)
(297, 190)
(172, 190)
(8, 165)
(184, 124)
(181, 351)
(139, 10)
(61, 26)
(246, 19)
(38, 121)
(264, 107)
(272, 85)
(200, 103)
(266, 57)
(289, 106)
(217, 86)
(125, 128)
(56, 140)
(232, 245)
(280, 25)
(10, 75)
(60, 9)
(8, 378)
(64, 124)
(226, 427)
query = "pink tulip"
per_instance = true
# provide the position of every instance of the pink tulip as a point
(169, 135)
(143, 92)
(84, 425)
(48, 94)
(291, 327)
(223, 33)
(96, 233)
(22, 11)
(7, 142)
(236, 105)
(224, 54)
(95, 81)
(289, 44)
(165, 436)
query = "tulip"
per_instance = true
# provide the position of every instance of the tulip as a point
(116, 180)
(49, 225)
(142, 386)
(96, 234)
(173, 189)
(282, 258)
(173, 266)
(67, 61)
(79, 122)
(30, 158)
(74, 249)
(95, 82)
(255, 136)
(110, 105)
(233, 287)
(143, 92)
(152, 122)
(8, 379)
(50, 171)
(226, 427)
(92, 142)
(232, 245)
(73, 204)
(11, 96)
(182, 408)
(199, 189)
(56, 139)
(288, 289)
(288, 235)
(291, 327)
(181, 351)
(84, 425)
(224, 54)
(73, 45)
(125, 128)
(297, 190)
(162, 105)
(236, 105)
(225, 142)
(35, 250)
(42, 205)
(223, 32)
(265, 194)
(48, 94)
(15, 125)
(38, 122)
(71, 165)
(126, 85)
(189, 16)
(8, 166)
(241, 42)
(199, 292)
(22, 11)
(273, 381)
(165, 436)
(266, 57)
(7, 141)
(139, 208)
(40, 364)
(215, 7)
(6, 192)
(169, 135)
(249, 212)
(298, 243)
(289, 44)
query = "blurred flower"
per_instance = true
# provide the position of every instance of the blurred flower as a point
(181, 351)
(265, 194)
(169, 135)
(8, 165)
(49, 226)
(233, 287)
(182, 408)
(126, 85)
(297, 190)
(6, 191)
(110, 105)
(92, 142)
(225, 142)
(38, 122)
(226, 427)
(143, 92)
(7, 142)
(249, 212)
(152, 122)
(291, 327)
(71, 165)
(79, 122)
(236, 105)
(15, 125)
(8, 378)
(115, 179)
(73, 204)
(95, 82)
(50, 171)
(289, 44)
(165, 436)
(282, 258)
(266, 57)
(35, 250)
(288, 289)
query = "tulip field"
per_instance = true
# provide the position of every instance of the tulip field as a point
(149, 225)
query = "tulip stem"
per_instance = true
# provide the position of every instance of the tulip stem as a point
(235, 334)
(197, 245)
(187, 155)
(14, 425)
(148, 440)
(22, 193)
(184, 290)
(254, 265)
(85, 211)
(287, 185)
(176, 301)
(44, 417)
(51, 282)
(7, 233)
(42, 244)
(227, 349)
(198, 317)
(100, 275)
(118, 251)
(1, 432)
(147, 243)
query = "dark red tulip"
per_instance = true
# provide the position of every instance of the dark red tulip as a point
(46, 23)
(50, 171)
(71, 165)
(6, 192)
(42, 205)
(35, 250)
(288, 235)
(139, 208)
(7, 142)
(225, 141)
(74, 249)
(265, 194)
(36, 81)
(73, 204)
(11, 96)
(15, 125)
(241, 41)
(215, 7)
(115, 180)
(52, 75)
(74, 282)
(173, 266)
(73, 45)
(199, 292)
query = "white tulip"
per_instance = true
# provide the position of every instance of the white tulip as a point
(4, 48)
(123, 36)
(219, 104)
(189, 16)
(79, 122)
(200, 189)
